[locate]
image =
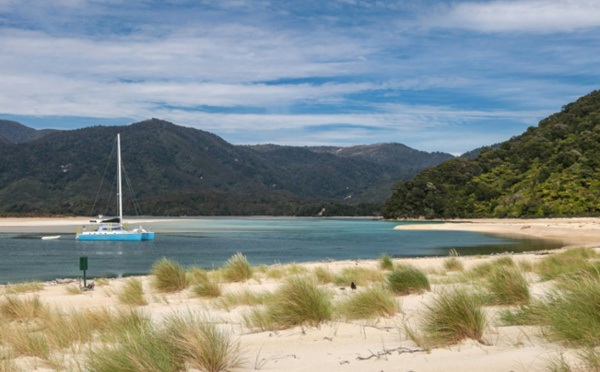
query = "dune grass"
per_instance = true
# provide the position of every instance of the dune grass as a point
(244, 297)
(132, 293)
(508, 286)
(361, 276)
(323, 275)
(23, 287)
(567, 262)
(207, 289)
(299, 301)
(168, 276)
(386, 263)
(14, 308)
(196, 275)
(202, 345)
(371, 302)
(237, 269)
(407, 279)
(452, 263)
(453, 316)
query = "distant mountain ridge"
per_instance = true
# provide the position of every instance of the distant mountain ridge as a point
(14, 132)
(176, 170)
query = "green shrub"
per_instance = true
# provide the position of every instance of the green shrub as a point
(237, 269)
(406, 279)
(168, 276)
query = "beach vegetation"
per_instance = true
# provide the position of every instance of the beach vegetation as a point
(196, 275)
(298, 301)
(132, 293)
(202, 344)
(566, 262)
(386, 263)
(452, 263)
(245, 297)
(23, 287)
(407, 279)
(208, 288)
(453, 315)
(323, 275)
(168, 276)
(508, 286)
(237, 268)
(73, 289)
(101, 282)
(15, 308)
(371, 302)
(361, 276)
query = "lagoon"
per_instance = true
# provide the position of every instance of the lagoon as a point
(209, 242)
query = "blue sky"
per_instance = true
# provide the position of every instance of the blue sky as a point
(434, 75)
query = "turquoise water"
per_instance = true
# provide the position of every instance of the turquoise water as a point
(210, 242)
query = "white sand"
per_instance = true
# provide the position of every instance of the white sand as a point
(377, 345)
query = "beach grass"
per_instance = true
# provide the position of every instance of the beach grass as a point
(196, 275)
(361, 276)
(386, 263)
(454, 315)
(207, 289)
(23, 287)
(368, 303)
(508, 286)
(241, 298)
(168, 276)
(15, 308)
(298, 301)
(73, 289)
(407, 279)
(203, 345)
(132, 293)
(567, 262)
(237, 268)
(323, 275)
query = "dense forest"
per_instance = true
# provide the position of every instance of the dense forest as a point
(552, 170)
(175, 170)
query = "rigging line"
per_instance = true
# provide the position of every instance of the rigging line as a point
(103, 176)
(135, 203)
(109, 200)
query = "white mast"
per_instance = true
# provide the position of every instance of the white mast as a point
(119, 191)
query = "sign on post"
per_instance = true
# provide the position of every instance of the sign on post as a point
(83, 265)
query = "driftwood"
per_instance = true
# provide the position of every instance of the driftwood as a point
(400, 350)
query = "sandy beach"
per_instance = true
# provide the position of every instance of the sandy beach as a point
(338, 344)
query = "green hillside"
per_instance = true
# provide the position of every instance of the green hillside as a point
(176, 170)
(552, 170)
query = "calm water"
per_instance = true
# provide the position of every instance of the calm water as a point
(210, 242)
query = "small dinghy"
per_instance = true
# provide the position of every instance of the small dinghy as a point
(53, 237)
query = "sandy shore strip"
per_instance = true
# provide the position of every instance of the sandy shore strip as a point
(570, 231)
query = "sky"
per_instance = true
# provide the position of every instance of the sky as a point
(434, 75)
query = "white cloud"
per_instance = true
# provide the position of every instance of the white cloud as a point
(537, 16)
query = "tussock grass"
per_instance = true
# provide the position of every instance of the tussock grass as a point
(508, 286)
(73, 289)
(407, 279)
(237, 269)
(323, 275)
(26, 340)
(359, 275)
(276, 272)
(23, 287)
(101, 282)
(132, 293)
(299, 301)
(453, 316)
(567, 262)
(485, 269)
(453, 264)
(386, 263)
(197, 275)
(15, 308)
(202, 345)
(244, 297)
(208, 288)
(168, 276)
(368, 303)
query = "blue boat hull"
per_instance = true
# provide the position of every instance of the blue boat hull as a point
(117, 237)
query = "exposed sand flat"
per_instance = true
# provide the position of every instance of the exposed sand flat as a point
(571, 231)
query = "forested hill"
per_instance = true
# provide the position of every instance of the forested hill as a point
(13, 132)
(552, 170)
(176, 170)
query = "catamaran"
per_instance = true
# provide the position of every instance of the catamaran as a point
(113, 229)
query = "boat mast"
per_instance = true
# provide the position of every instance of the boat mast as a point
(119, 191)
